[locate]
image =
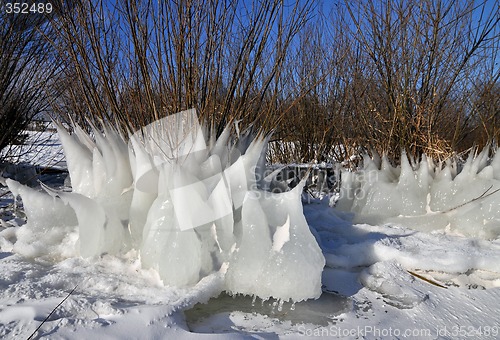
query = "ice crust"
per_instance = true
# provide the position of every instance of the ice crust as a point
(192, 206)
(427, 196)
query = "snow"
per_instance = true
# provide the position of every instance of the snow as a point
(407, 269)
(42, 148)
(363, 293)
(206, 213)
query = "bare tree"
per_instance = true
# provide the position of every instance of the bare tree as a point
(27, 70)
(382, 74)
(136, 61)
(424, 55)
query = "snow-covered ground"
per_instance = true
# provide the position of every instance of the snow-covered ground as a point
(382, 281)
(41, 148)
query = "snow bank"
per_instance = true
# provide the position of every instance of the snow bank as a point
(427, 195)
(192, 206)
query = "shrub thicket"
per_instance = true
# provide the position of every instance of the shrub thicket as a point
(328, 79)
(28, 68)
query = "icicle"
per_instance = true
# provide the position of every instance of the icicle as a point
(368, 163)
(275, 303)
(495, 163)
(376, 158)
(190, 206)
(280, 305)
(463, 198)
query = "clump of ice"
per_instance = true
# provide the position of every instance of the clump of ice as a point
(427, 195)
(394, 283)
(191, 205)
(52, 224)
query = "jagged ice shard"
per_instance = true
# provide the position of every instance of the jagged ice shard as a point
(191, 205)
(427, 196)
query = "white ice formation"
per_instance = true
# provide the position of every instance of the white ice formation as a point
(188, 203)
(427, 196)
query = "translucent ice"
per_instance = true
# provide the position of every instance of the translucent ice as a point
(253, 250)
(190, 204)
(428, 196)
(51, 224)
(100, 230)
(295, 260)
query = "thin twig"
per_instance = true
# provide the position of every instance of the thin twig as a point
(427, 280)
(48, 316)
(5, 193)
(483, 195)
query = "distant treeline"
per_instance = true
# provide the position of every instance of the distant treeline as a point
(328, 78)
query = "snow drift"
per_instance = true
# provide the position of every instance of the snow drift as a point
(190, 205)
(427, 196)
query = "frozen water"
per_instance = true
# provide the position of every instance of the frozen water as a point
(427, 196)
(51, 228)
(191, 205)
(252, 252)
(296, 261)
(368, 274)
